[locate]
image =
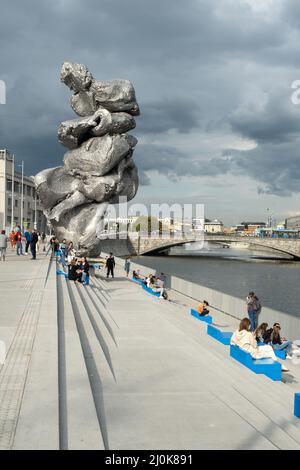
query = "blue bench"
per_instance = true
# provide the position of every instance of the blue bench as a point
(280, 353)
(297, 405)
(138, 281)
(222, 336)
(266, 367)
(157, 294)
(206, 319)
(61, 273)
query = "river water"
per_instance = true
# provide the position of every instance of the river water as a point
(235, 272)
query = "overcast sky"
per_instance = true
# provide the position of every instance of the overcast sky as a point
(212, 77)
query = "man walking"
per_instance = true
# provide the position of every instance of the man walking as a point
(33, 241)
(110, 264)
(254, 308)
(3, 245)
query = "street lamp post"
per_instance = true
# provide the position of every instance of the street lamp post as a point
(35, 221)
(12, 192)
(22, 195)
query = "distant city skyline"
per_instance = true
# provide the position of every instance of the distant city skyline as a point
(214, 81)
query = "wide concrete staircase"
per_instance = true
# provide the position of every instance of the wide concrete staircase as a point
(114, 368)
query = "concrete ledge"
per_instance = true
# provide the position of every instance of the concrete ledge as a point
(297, 405)
(221, 336)
(266, 367)
(206, 319)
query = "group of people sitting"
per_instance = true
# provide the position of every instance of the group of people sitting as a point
(263, 341)
(156, 283)
(78, 268)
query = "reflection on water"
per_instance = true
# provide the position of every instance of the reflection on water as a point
(235, 272)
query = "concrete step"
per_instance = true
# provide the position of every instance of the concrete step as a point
(108, 322)
(103, 285)
(103, 335)
(38, 424)
(79, 425)
(101, 292)
(98, 367)
(268, 395)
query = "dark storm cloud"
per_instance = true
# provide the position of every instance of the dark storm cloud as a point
(212, 67)
(277, 120)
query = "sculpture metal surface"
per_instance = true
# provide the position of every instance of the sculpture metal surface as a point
(98, 167)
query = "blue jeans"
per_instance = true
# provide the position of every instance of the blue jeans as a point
(19, 248)
(253, 320)
(85, 278)
(287, 345)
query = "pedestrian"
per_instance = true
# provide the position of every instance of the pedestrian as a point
(127, 266)
(12, 239)
(19, 243)
(27, 236)
(3, 245)
(33, 242)
(85, 269)
(253, 308)
(110, 264)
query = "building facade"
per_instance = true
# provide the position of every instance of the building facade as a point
(213, 226)
(293, 223)
(11, 196)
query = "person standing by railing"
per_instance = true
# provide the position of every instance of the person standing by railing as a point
(253, 308)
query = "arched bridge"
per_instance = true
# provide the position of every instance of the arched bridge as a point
(287, 246)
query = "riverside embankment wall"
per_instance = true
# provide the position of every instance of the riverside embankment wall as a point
(233, 306)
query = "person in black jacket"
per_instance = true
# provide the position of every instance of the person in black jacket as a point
(85, 269)
(110, 264)
(33, 241)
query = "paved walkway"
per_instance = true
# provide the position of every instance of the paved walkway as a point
(108, 366)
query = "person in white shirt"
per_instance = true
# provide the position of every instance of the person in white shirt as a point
(245, 339)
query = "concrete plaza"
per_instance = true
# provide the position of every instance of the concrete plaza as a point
(108, 366)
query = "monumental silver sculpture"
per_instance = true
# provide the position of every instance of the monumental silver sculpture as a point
(98, 166)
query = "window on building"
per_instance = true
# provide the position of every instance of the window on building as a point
(8, 185)
(9, 202)
(9, 219)
(28, 206)
(28, 190)
(16, 203)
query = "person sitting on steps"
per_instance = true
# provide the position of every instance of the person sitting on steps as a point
(202, 308)
(245, 339)
(260, 332)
